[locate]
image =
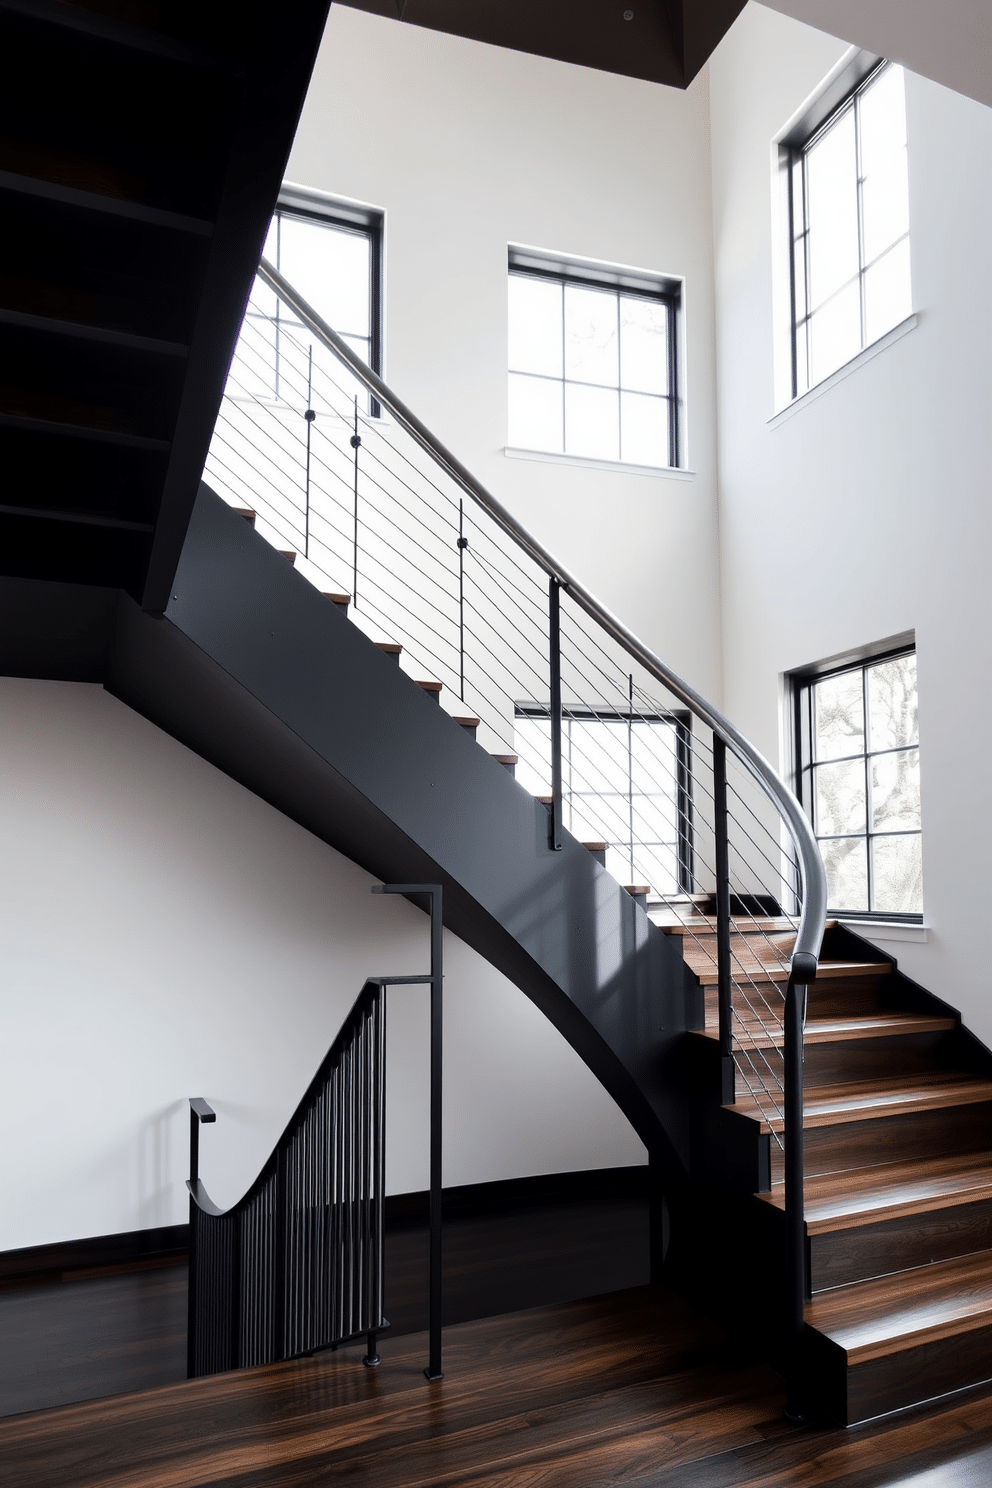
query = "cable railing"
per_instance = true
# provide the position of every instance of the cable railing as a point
(623, 752)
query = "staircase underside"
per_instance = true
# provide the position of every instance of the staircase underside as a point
(258, 673)
(662, 41)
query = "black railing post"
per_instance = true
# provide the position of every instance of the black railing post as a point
(462, 545)
(198, 1111)
(554, 646)
(309, 416)
(436, 979)
(433, 1370)
(795, 1223)
(723, 963)
(356, 444)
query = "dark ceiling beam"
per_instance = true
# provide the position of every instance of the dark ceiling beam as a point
(661, 41)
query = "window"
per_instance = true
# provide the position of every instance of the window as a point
(849, 217)
(858, 748)
(625, 782)
(332, 254)
(592, 362)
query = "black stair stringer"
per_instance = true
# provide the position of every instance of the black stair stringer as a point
(259, 674)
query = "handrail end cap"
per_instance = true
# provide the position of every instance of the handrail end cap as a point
(804, 965)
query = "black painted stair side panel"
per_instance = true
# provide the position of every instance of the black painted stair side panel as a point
(253, 669)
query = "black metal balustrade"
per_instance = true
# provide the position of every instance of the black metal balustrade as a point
(297, 1265)
(622, 750)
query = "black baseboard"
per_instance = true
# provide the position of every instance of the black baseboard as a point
(66, 1258)
(475, 1200)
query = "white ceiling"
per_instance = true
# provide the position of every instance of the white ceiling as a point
(947, 40)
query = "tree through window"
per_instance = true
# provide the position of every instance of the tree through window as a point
(859, 777)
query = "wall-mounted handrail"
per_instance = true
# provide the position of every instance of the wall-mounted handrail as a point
(813, 909)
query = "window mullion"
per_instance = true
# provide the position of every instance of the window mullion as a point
(869, 864)
(861, 224)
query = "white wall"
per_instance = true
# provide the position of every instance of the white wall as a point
(164, 933)
(866, 512)
(468, 148)
(950, 42)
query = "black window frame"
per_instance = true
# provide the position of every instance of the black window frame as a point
(678, 718)
(659, 288)
(367, 222)
(802, 683)
(842, 94)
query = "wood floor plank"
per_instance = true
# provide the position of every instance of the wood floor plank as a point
(632, 1389)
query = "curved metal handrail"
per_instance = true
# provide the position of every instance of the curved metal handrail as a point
(813, 912)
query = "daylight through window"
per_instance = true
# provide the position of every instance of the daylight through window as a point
(849, 196)
(334, 263)
(624, 782)
(592, 367)
(858, 740)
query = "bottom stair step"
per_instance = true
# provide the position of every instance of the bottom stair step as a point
(882, 1345)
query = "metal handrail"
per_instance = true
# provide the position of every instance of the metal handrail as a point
(813, 910)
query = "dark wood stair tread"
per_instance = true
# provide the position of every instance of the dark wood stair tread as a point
(464, 720)
(836, 1105)
(704, 968)
(430, 686)
(754, 1032)
(705, 926)
(289, 556)
(861, 1196)
(870, 1319)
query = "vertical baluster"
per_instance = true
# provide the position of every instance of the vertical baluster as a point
(554, 642)
(797, 1271)
(723, 961)
(234, 1343)
(279, 1259)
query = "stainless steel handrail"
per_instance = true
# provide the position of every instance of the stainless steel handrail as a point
(813, 912)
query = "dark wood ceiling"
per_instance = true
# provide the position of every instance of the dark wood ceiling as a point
(664, 41)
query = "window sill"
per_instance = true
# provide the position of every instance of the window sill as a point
(666, 472)
(889, 339)
(888, 930)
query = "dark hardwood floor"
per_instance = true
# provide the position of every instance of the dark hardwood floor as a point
(89, 1334)
(627, 1387)
(631, 1388)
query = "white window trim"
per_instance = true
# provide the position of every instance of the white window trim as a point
(550, 457)
(867, 354)
(890, 930)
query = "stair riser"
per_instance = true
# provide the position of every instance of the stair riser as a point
(893, 1138)
(918, 1374)
(834, 997)
(844, 1256)
(848, 997)
(859, 1060)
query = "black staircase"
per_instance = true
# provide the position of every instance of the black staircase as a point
(142, 146)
